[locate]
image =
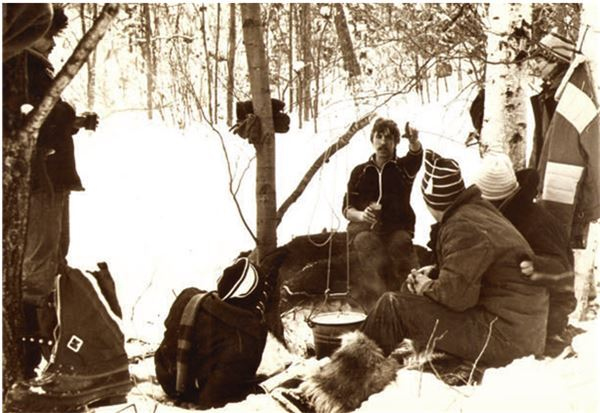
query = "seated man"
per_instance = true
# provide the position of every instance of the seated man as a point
(480, 307)
(513, 195)
(377, 204)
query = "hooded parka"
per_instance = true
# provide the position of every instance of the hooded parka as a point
(480, 289)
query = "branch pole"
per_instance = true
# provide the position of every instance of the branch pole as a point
(324, 157)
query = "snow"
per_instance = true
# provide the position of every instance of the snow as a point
(158, 210)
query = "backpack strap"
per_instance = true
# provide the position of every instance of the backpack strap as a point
(184, 341)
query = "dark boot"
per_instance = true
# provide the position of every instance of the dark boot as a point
(32, 351)
(40, 321)
(88, 364)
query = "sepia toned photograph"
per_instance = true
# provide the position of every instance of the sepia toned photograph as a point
(300, 207)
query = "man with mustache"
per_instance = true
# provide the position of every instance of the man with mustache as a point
(377, 204)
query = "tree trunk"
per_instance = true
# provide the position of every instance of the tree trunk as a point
(265, 149)
(91, 61)
(14, 210)
(505, 111)
(291, 55)
(231, 64)
(306, 56)
(17, 150)
(426, 80)
(147, 24)
(418, 83)
(208, 67)
(300, 72)
(460, 74)
(216, 82)
(345, 42)
(589, 39)
(266, 197)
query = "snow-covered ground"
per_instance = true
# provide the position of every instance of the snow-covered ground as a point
(158, 210)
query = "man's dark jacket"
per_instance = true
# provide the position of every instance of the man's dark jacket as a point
(55, 140)
(548, 241)
(391, 185)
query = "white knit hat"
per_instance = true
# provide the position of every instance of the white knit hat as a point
(496, 178)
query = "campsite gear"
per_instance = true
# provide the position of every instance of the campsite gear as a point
(248, 125)
(357, 370)
(240, 285)
(281, 121)
(210, 351)
(292, 400)
(88, 363)
(327, 327)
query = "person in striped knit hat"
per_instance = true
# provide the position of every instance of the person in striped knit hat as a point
(480, 305)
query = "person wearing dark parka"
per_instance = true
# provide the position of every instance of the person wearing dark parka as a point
(513, 194)
(480, 307)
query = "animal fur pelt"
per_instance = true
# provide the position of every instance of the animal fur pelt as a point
(357, 370)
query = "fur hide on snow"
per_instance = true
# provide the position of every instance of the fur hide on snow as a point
(357, 370)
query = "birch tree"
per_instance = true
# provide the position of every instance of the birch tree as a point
(589, 39)
(345, 41)
(505, 112)
(147, 50)
(231, 64)
(266, 220)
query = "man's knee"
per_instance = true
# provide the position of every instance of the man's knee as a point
(367, 242)
(401, 240)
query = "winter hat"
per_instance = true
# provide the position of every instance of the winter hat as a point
(442, 182)
(240, 284)
(59, 21)
(496, 178)
(556, 48)
(386, 126)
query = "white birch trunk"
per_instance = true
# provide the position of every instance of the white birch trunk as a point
(505, 112)
(587, 261)
(589, 40)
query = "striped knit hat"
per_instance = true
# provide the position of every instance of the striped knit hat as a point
(442, 182)
(496, 178)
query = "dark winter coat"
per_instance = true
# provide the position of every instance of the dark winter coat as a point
(226, 350)
(56, 133)
(478, 254)
(569, 167)
(391, 185)
(549, 242)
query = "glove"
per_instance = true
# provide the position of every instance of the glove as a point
(281, 121)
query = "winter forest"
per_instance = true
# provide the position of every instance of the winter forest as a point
(178, 185)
